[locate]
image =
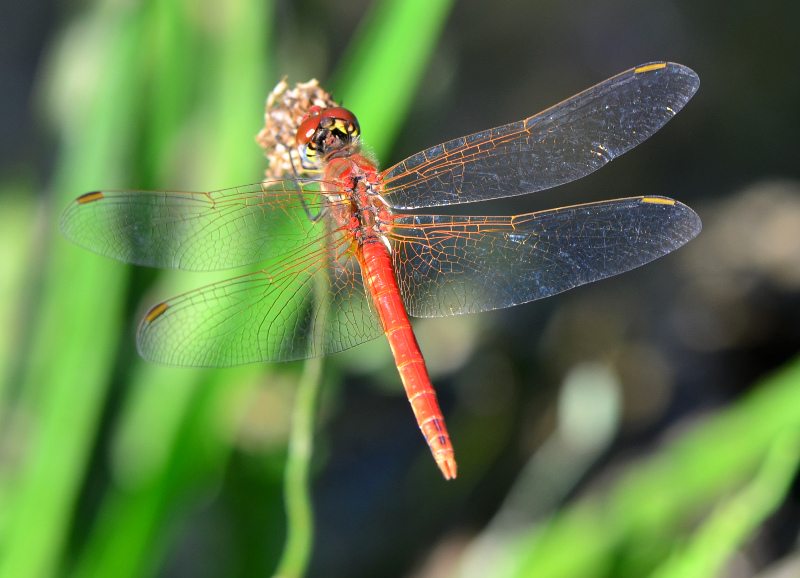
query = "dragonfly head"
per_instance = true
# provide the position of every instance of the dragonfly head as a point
(325, 131)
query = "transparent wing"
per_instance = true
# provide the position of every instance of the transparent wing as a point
(198, 231)
(561, 144)
(452, 265)
(308, 304)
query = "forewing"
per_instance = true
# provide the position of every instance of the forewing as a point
(309, 304)
(198, 231)
(561, 144)
(452, 265)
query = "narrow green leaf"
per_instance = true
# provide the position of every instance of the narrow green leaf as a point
(687, 477)
(384, 65)
(737, 518)
(76, 334)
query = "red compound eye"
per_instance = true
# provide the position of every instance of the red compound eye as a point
(309, 126)
(340, 113)
(307, 129)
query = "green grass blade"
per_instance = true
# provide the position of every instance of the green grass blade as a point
(76, 333)
(136, 524)
(738, 518)
(383, 67)
(649, 504)
(17, 230)
(227, 86)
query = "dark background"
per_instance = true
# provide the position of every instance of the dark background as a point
(682, 338)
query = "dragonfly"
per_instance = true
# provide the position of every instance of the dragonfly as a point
(344, 264)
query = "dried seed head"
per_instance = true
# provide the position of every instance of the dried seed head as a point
(285, 111)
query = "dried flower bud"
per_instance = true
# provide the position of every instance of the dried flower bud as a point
(285, 111)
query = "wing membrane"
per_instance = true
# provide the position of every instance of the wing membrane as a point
(561, 144)
(198, 231)
(309, 304)
(452, 265)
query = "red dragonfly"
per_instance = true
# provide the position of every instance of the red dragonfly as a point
(344, 267)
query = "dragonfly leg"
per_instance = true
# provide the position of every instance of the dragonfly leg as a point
(305, 169)
(312, 218)
(306, 165)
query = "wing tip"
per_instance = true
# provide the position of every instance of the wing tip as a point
(673, 69)
(690, 219)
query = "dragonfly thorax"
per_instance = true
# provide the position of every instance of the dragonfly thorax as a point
(366, 215)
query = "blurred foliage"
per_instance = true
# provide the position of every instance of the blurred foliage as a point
(113, 467)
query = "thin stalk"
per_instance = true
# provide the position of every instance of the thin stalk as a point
(296, 489)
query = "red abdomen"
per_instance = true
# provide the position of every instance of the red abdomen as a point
(379, 278)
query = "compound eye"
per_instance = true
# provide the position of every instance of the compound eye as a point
(307, 129)
(342, 119)
(340, 113)
(328, 119)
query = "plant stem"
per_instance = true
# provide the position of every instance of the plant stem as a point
(297, 491)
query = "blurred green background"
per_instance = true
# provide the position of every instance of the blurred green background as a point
(647, 425)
